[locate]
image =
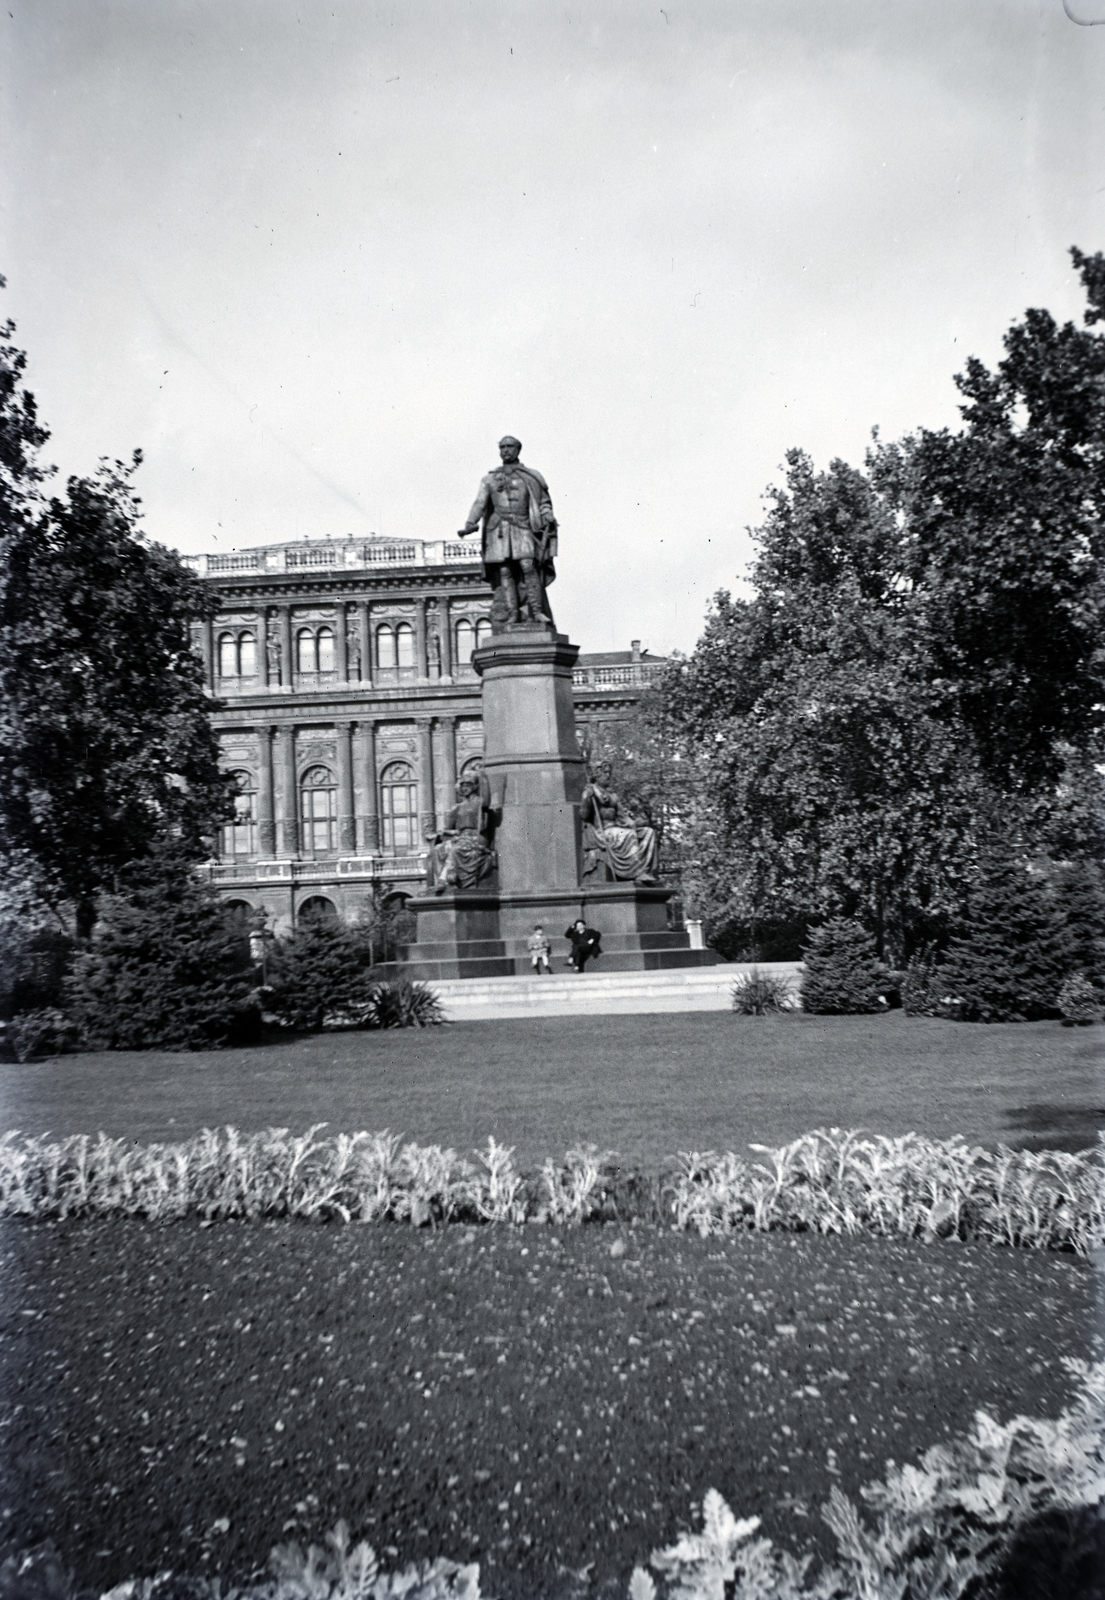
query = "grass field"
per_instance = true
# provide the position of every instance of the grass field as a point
(644, 1086)
(546, 1401)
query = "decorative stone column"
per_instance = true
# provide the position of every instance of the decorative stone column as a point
(263, 646)
(421, 665)
(347, 823)
(207, 646)
(288, 830)
(341, 653)
(287, 663)
(445, 627)
(449, 762)
(426, 813)
(365, 632)
(266, 816)
(372, 789)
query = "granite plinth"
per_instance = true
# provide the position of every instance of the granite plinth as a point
(468, 936)
(536, 776)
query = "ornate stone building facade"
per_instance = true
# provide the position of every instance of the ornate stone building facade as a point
(348, 708)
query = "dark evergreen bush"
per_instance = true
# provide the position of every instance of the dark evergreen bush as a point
(843, 972)
(1012, 951)
(321, 971)
(45, 1031)
(168, 966)
(34, 962)
(1080, 899)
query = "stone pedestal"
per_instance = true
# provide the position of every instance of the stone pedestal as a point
(537, 777)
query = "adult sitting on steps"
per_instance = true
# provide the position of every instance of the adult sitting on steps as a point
(584, 942)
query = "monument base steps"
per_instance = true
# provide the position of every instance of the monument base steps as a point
(600, 993)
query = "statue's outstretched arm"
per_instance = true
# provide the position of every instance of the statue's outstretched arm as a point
(480, 506)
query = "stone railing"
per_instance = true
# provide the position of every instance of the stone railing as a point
(633, 673)
(350, 556)
(383, 869)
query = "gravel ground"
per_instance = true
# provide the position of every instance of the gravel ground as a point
(186, 1396)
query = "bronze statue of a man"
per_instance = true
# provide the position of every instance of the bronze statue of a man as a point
(519, 538)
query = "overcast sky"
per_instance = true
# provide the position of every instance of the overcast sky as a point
(315, 259)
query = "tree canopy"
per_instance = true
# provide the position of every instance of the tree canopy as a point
(920, 660)
(106, 745)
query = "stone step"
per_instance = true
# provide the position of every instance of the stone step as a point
(601, 993)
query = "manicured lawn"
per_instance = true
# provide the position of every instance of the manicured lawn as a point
(644, 1086)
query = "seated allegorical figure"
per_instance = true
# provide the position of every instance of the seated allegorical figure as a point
(461, 854)
(628, 849)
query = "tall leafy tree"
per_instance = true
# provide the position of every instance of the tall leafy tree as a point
(106, 745)
(919, 662)
(830, 789)
(1007, 544)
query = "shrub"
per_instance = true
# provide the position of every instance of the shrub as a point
(1078, 1001)
(34, 962)
(759, 993)
(168, 967)
(320, 972)
(403, 1005)
(1080, 898)
(44, 1032)
(1012, 952)
(843, 972)
(920, 986)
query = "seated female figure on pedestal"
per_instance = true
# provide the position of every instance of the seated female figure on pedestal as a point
(628, 849)
(461, 854)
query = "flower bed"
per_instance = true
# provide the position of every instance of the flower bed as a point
(547, 1402)
(829, 1181)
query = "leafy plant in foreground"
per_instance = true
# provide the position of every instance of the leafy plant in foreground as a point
(967, 1515)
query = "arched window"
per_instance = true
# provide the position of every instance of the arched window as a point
(240, 910)
(318, 810)
(228, 656)
(305, 658)
(326, 649)
(404, 644)
(247, 656)
(385, 648)
(399, 808)
(315, 908)
(483, 632)
(240, 836)
(466, 642)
